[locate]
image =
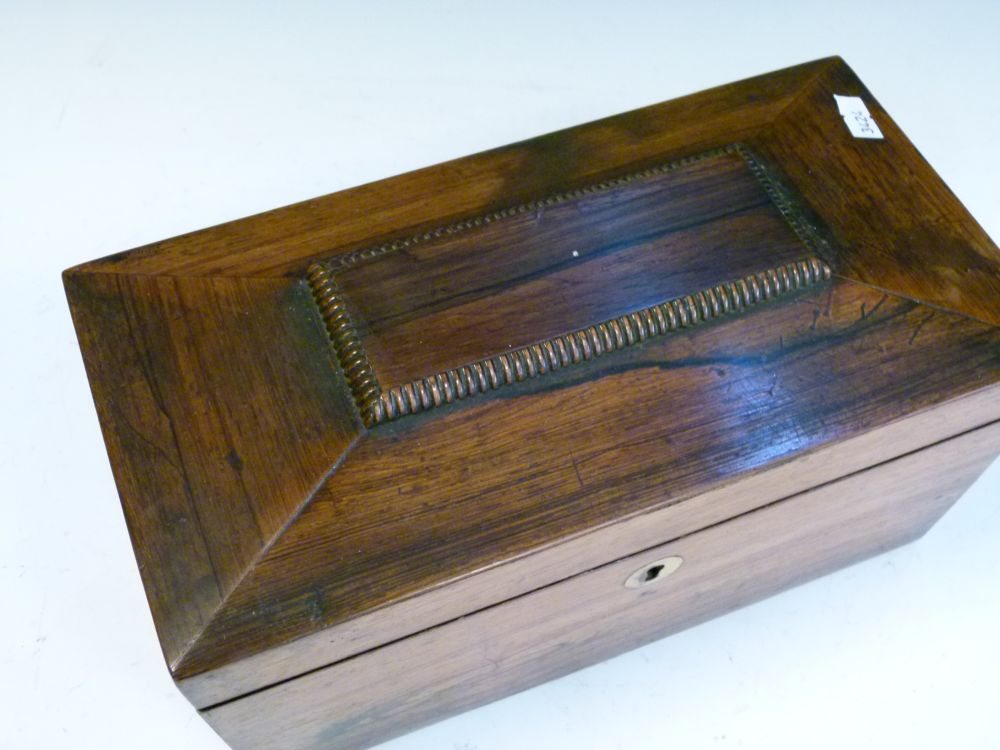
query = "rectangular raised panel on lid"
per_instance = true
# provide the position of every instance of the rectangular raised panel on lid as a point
(443, 314)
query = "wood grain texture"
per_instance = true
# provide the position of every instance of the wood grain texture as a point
(278, 533)
(214, 446)
(593, 616)
(896, 224)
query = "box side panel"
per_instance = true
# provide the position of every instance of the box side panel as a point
(593, 616)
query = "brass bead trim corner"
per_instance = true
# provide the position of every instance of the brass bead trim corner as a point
(594, 341)
(787, 206)
(346, 341)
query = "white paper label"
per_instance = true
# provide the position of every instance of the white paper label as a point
(857, 117)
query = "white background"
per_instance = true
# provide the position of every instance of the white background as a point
(125, 124)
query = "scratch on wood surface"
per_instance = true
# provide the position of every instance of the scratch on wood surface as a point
(919, 326)
(576, 469)
(865, 314)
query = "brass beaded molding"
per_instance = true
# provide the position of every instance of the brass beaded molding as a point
(374, 251)
(377, 406)
(345, 339)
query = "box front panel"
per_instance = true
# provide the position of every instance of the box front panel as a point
(598, 614)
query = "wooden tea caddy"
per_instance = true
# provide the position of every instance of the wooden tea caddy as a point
(400, 450)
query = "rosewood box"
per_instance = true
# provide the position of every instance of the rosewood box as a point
(395, 452)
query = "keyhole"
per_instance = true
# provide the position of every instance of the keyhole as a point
(652, 572)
